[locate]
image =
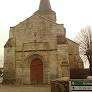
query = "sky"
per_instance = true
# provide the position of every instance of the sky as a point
(74, 14)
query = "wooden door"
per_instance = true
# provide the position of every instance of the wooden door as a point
(36, 71)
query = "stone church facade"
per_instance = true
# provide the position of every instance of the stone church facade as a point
(38, 51)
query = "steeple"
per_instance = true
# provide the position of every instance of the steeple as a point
(46, 11)
(44, 5)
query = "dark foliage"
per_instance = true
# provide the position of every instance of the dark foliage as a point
(79, 73)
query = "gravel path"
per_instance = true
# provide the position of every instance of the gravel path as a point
(25, 88)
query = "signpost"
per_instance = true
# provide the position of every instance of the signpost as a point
(77, 85)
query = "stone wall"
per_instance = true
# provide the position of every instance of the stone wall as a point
(39, 37)
(9, 64)
(63, 61)
(74, 58)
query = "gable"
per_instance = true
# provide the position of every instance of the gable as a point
(36, 16)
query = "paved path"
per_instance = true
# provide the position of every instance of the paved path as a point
(25, 88)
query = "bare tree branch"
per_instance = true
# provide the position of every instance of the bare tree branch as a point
(84, 38)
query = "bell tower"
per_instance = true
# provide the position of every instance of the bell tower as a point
(46, 11)
(45, 5)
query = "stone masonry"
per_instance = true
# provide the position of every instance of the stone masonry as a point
(40, 39)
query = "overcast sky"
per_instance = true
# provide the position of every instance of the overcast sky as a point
(74, 14)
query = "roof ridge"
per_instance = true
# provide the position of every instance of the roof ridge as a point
(47, 19)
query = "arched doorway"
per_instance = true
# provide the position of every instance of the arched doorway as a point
(36, 69)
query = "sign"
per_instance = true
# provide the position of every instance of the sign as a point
(80, 85)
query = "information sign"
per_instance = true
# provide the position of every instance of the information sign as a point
(80, 85)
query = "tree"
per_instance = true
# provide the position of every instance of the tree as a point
(84, 38)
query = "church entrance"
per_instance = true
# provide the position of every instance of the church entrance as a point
(36, 69)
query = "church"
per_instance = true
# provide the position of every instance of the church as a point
(38, 51)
